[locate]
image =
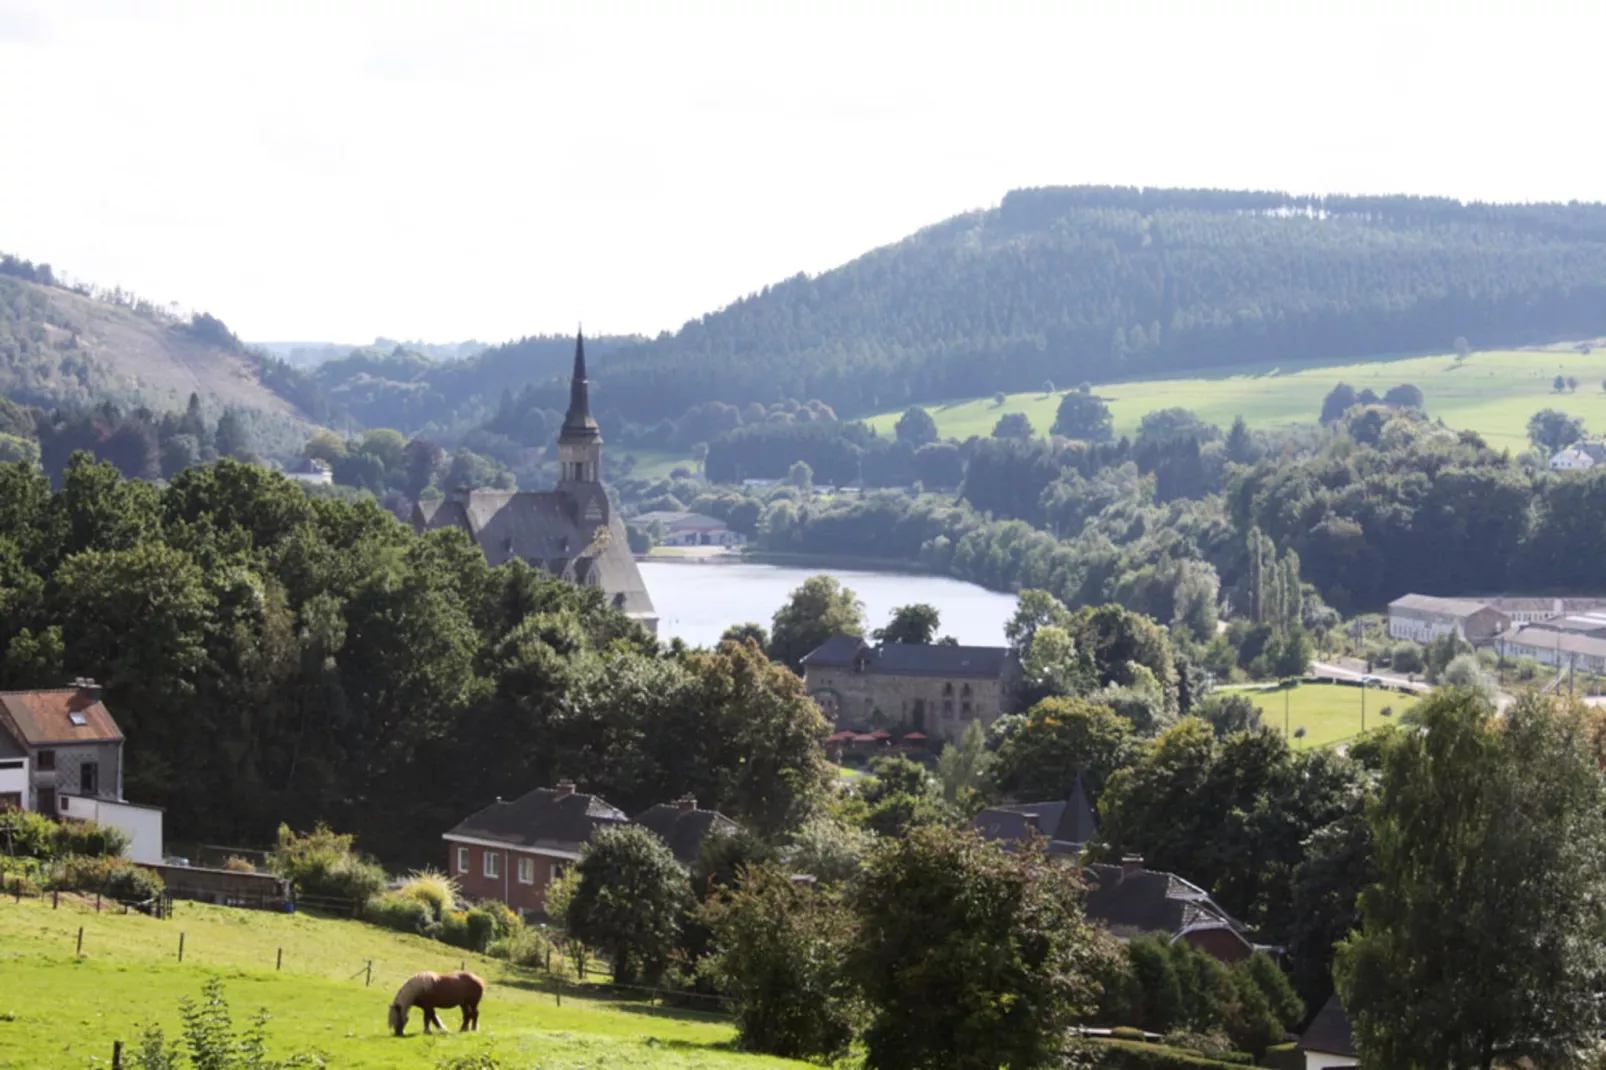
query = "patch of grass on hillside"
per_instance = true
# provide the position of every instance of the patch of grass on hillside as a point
(1329, 713)
(1492, 393)
(60, 1011)
(655, 464)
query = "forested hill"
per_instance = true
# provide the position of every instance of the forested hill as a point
(76, 347)
(1095, 283)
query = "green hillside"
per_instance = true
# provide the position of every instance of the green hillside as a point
(1492, 393)
(1101, 284)
(60, 1011)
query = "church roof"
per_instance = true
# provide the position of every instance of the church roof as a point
(578, 424)
(548, 529)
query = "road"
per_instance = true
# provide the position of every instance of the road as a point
(1339, 672)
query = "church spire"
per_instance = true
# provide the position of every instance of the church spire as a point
(578, 425)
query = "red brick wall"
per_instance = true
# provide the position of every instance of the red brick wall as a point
(1219, 944)
(505, 886)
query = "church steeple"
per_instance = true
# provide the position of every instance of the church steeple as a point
(580, 441)
(578, 425)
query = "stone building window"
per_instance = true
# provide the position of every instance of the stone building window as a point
(947, 707)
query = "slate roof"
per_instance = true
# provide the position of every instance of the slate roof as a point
(37, 718)
(685, 831)
(1068, 823)
(1147, 901)
(1592, 646)
(671, 519)
(548, 529)
(1426, 603)
(911, 659)
(541, 819)
(1329, 1031)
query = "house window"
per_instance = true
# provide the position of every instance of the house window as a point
(558, 869)
(46, 761)
(462, 860)
(89, 778)
(965, 710)
(10, 800)
(493, 864)
(948, 707)
(47, 800)
(526, 871)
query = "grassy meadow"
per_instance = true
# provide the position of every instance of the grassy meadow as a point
(1329, 713)
(58, 1010)
(1493, 393)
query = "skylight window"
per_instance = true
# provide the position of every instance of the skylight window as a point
(78, 719)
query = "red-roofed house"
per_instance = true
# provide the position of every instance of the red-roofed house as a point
(61, 754)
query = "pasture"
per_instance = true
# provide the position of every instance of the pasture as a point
(1493, 393)
(1329, 713)
(61, 1010)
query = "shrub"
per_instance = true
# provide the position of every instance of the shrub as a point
(489, 921)
(236, 864)
(1131, 1055)
(114, 877)
(479, 1060)
(437, 891)
(451, 929)
(523, 947)
(1406, 657)
(1210, 1045)
(211, 1041)
(29, 834)
(91, 839)
(324, 863)
(398, 912)
(1127, 1032)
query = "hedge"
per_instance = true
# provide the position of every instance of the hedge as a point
(1110, 1054)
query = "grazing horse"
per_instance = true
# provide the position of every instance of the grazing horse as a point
(428, 991)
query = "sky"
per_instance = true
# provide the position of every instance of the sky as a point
(340, 170)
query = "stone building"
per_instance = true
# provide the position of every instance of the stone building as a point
(933, 689)
(1423, 618)
(570, 531)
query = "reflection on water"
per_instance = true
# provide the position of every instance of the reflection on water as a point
(698, 602)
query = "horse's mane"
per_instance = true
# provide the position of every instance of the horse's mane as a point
(414, 987)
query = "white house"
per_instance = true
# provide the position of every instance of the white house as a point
(688, 529)
(1327, 1043)
(312, 472)
(1423, 618)
(1571, 459)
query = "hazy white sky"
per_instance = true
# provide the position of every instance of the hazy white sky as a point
(341, 169)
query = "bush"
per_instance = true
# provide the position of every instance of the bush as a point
(399, 912)
(1132, 1055)
(1406, 657)
(29, 834)
(479, 1060)
(487, 922)
(451, 929)
(323, 863)
(89, 839)
(210, 1040)
(523, 947)
(236, 864)
(113, 877)
(1210, 1045)
(1127, 1032)
(434, 889)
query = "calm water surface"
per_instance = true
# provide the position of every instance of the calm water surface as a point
(698, 602)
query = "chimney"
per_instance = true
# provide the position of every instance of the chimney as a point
(686, 803)
(461, 492)
(1131, 863)
(88, 688)
(564, 789)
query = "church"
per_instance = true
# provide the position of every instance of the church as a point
(570, 531)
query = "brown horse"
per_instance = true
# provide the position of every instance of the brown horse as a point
(429, 991)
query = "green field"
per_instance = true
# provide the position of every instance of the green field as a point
(1493, 393)
(1329, 713)
(59, 1011)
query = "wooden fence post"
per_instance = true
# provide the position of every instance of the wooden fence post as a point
(117, 1055)
(368, 977)
(181, 947)
(80, 950)
(55, 899)
(278, 963)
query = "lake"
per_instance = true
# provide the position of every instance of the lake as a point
(698, 602)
